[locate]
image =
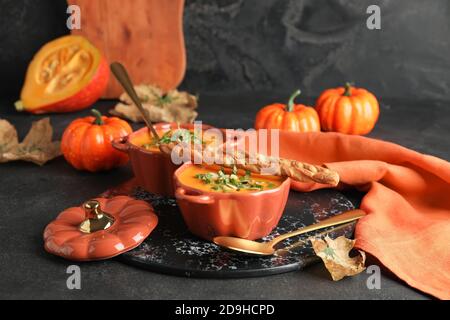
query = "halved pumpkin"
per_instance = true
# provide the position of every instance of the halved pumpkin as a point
(66, 74)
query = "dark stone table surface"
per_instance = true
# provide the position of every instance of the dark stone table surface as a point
(31, 196)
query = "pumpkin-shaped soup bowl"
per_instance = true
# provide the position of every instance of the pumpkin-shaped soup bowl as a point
(249, 215)
(153, 169)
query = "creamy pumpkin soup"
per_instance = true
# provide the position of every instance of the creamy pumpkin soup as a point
(214, 178)
(180, 135)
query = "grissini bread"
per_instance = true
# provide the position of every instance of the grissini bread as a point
(261, 164)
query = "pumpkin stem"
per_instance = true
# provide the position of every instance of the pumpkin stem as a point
(19, 105)
(98, 117)
(290, 106)
(348, 89)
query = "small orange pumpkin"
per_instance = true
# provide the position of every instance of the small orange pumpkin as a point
(86, 142)
(347, 110)
(134, 220)
(290, 117)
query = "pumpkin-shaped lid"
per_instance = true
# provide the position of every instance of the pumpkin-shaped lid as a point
(100, 229)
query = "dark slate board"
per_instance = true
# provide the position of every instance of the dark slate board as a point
(173, 250)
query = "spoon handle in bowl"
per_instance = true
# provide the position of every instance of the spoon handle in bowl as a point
(122, 76)
(335, 220)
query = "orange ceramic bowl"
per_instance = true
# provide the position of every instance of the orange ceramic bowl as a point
(153, 169)
(250, 215)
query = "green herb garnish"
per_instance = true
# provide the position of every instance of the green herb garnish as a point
(224, 182)
(178, 135)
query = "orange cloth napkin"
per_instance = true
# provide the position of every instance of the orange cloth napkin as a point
(407, 201)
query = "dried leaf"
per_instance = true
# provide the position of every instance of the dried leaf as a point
(335, 255)
(8, 138)
(37, 146)
(174, 106)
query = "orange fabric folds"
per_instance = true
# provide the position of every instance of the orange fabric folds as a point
(407, 200)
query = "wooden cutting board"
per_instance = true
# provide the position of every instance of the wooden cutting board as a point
(145, 35)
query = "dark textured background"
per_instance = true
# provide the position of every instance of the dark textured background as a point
(276, 45)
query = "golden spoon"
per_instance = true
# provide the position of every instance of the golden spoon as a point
(267, 248)
(122, 76)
